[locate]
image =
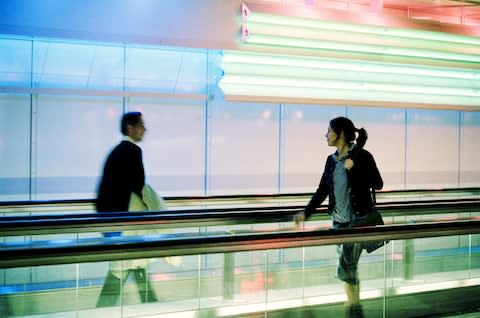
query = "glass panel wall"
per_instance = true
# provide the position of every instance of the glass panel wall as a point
(174, 144)
(61, 102)
(445, 268)
(400, 279)
(469, 145)
(72, 138)
(15, 147)
(304, 128)
(15, 62)
(169, 71)
(242, 148)
(386, 141)
(77, 65)
(432, 149)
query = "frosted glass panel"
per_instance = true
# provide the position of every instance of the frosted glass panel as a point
(304, 145)
(70, 65)
(432, 149)
(14, 147)
(386, 141)
(174, 145)
(15, 62)
(196, 146)
(469, 150)
(73, 136)
(164, 70)
(243, 148)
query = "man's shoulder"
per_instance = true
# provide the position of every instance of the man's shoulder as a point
(126, 145)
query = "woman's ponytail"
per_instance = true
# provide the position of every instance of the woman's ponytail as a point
(362, 137)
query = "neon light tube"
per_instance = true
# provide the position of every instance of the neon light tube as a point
(247, 92)
(274, 71)
(311, 63)
(360, 48)
(349, 85)
(359, 28)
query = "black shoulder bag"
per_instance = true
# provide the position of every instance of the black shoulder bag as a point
(370, 219)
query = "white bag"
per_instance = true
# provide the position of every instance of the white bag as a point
(150, 201)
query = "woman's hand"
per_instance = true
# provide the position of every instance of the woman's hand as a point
(348, 164)
(299, 218)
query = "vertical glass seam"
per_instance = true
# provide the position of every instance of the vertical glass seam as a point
(265, 284)
(405, 149)
(206, 127)
(280, 147)
(470, 256)
(199, 283)
(459, 148)
(124, 88)
(30, 168)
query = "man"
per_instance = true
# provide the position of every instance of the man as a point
(123, 175)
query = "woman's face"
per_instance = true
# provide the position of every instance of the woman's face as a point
(332, 137)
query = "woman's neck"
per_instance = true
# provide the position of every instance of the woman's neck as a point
(342, 149)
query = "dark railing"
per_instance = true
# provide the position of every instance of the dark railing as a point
(122, 248)
(209, 200)
(121, 221)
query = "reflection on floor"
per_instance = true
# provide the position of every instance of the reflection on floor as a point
(421, 297)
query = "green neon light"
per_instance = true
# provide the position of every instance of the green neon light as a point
(362, 48)
(302, 93)
(361, 79)
(267, 81)
(356, 37)
(232, 69)
(284, 76)
(357, 28)
(313, 63)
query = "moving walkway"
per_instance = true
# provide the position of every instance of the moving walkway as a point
(282, 273)
(239, 262)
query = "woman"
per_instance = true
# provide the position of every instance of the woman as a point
(348, 178)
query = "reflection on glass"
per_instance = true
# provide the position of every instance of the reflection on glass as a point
(429, 266)
(432, 149)
(469, 145)
(14, 147)
(73, 135)
(304, 146)
(166, 70)
(243, 148)
(15, 62)
(404, 277)
(386, 141)
(76, 65)
(174, 144)
(208, 145)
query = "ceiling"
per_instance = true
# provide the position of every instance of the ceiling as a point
(463, 12)
(459, 12)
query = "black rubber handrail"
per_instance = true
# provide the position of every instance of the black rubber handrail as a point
(120, 221)
(123, 248)
(473, 190)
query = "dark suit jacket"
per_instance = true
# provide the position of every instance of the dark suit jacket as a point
(123, 174)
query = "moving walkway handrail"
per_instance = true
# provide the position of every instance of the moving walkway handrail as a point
(208, 199)
(122, 221)
(123, 248)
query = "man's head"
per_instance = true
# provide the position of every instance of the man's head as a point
(133, 126)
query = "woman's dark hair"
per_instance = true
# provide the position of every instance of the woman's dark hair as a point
(344, 124)
(131, 118)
